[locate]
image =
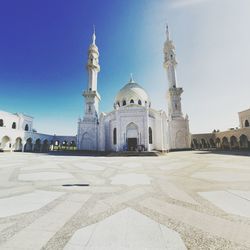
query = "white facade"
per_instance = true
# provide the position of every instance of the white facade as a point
(17, 134)
(133, 124)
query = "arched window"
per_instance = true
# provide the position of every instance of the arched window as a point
(1, 122)
(114, 137)
(246, 123)
(14, 125)
(132, 101)
(118, 104)
(26, 127)
(124, 103)
(139, 102)
(150, 135)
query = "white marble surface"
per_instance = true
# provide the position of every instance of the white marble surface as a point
(26, 202)
(130, 230)
(132, 165)
(130, 179)
(222, 176)
(44, 176)
(233, 202)
(142, 184)
(88, 166)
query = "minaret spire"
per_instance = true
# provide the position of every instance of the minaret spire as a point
(167, 32)
(131, 78)
(170, 63)
(93, 36)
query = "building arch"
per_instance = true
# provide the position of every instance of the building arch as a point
(87, 142)
(14, 125)
(132, 101)
(124, 103)
(72, 145)
(114, 136)
(6, 143)
(45, 146)
(225, 143)
(212, 143)
(150, 135)
(204, 144)
(195, 144)
(246, 123)
(26, 128)
(180, 141)
(1, 123)
(139, 102)
(132, 133)
(218, 142)
(18, 144)
(244, 144)
(37, 146)
(234, 142)
(28, 145)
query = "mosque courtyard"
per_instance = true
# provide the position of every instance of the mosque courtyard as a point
(182, 200)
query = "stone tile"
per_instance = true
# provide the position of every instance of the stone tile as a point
(172, 191)
(44, 176)
(130, 230)
(223, 176)
(26, 202)
(37, 234)
(230, 202)
(130, 179)
(233, 231)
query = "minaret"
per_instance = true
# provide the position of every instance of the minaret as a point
(174, 93)
(91, 95)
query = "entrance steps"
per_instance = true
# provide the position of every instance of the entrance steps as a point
(134, 153)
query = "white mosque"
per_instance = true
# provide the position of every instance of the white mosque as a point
(133, 124)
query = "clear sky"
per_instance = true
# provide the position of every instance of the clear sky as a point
(43, 53)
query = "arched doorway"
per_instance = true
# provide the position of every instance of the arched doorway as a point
(234, 142)
(5, 143)
(246, 123)
(243, 142)
(212, 143)
(37, 146)
(18, 144)
(28, 145)
(195, 144)
(132, 136)
(204, 143)
(45, 146)
(180, 140)
(218, 143)
(72, 145)
(225, 143)
(87, 142)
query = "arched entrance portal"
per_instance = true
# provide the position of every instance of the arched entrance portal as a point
(87, 142)
(132, 136)
(5, 143)
(28, 146)
(18, 144)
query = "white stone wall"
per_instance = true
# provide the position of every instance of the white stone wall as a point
(244, 118)
(87, 137)
(179, 135)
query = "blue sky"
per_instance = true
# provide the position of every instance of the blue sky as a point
(43, 53)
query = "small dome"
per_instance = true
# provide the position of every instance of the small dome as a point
(132, 93)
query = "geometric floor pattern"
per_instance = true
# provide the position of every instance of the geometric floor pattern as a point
(183, 200)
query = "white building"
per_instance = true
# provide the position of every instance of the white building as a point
(17, 134)
(133, 124)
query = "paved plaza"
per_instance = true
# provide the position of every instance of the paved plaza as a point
(182, 200)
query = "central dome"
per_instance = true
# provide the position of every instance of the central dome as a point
(132, 93)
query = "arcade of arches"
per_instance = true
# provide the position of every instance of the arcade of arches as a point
(223, 141)
(38, 145)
